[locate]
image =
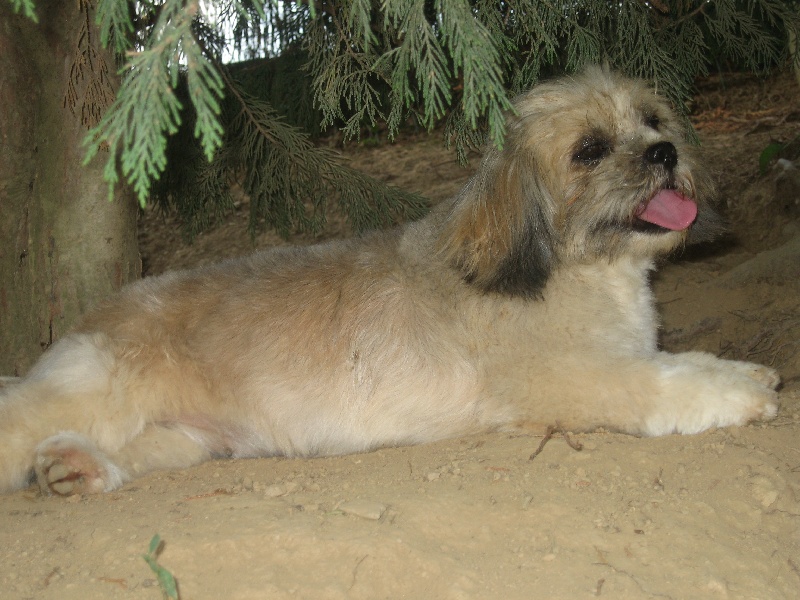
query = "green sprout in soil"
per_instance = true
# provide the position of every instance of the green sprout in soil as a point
(167, 583)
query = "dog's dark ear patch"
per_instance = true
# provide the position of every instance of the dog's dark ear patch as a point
(707, 226)
(498, 234)
(526, 268)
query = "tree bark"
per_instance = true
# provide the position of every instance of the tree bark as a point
(63, 245)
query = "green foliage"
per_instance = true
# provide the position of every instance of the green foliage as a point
(448, 60)
(344, 80)
(290, 181)
(775, 150)
(456, 62)
(27, 7)
(281, 82)
(114, 21)
(147, 111)
(768, 154)
(481, 80)
(167, 583)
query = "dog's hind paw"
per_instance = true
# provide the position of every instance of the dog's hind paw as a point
(68, 464)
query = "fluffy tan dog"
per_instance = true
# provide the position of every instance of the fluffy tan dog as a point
(520, 304)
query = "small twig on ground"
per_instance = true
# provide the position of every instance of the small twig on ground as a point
(547, 435)
(577, 446)
(120, 582)
(793, 566)
(217, 492)
(599, 587)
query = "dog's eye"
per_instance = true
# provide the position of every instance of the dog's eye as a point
(591, 151)
(652, 121)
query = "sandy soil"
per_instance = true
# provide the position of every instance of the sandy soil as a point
(715, 515)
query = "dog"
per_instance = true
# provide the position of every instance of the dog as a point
(521, 304)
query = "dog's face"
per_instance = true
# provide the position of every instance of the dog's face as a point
(594, 167)
(615, 163)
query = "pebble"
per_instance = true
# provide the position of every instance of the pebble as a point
(764, 490)
(366, 509)
(718, 586)
(275, 490)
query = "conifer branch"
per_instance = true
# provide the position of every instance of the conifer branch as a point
(114, 22)
(147, 111)
(451, 61)
(286, 176)
(26, 7)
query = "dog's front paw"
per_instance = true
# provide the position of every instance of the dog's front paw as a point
(708, 362)
(763, 375)
(68, 464)
(700, 392)
(742, 404)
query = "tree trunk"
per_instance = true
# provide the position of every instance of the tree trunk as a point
(63, 245)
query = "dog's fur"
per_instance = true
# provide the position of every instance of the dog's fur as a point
(520, 304)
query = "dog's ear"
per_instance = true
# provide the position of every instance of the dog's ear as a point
(709, 224)
(499, 232)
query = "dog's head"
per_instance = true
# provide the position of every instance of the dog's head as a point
(594, 167)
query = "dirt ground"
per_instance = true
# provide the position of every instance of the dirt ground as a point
(715, 515)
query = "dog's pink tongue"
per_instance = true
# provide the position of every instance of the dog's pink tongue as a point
(670, 210)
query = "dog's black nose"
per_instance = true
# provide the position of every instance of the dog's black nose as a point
(662, 153)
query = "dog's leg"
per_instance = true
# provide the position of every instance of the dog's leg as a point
(656, 395)
(760, 373)
(69, 463)
(30, 412)
(33, 411)
(699, 391)
(76, 387)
